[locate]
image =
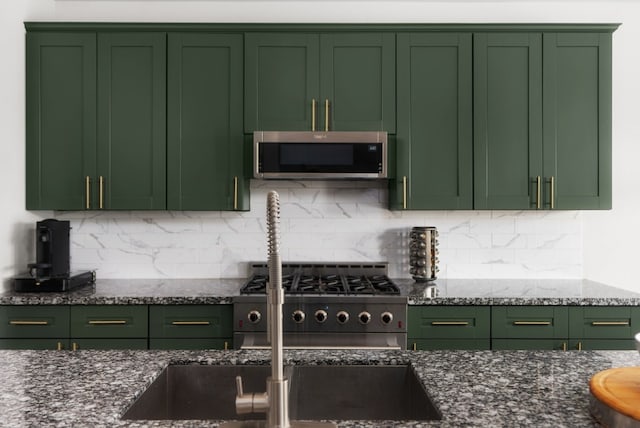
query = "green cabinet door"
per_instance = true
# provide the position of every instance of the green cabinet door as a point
(305, 81)
(449, 327)
(603, 327)
(60, 120)
(507, 120)
(190, 326)
(205, 135)
(577, 120)
(358, 82)
(132, 120)
(529, 322)
(434, 146)
(281, 81)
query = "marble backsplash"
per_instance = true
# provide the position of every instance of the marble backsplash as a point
(324, 221)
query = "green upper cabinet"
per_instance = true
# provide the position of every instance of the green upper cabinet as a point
(434, 146)
(577, 120)
(507, 120)
(61, 120)
(204, 128)
(307, 81)
(132, 121)
(542, 121)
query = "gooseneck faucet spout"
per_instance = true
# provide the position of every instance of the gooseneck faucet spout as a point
(275, 401)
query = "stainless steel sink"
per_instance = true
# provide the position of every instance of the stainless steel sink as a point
(316, 393)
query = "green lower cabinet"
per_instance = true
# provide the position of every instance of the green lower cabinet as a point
(34, 327)
(529, 344)
(221, 343)
(80, 344)
(602, 327)
(190, 326)
(529, 322)
(449, 327)
(58, 344)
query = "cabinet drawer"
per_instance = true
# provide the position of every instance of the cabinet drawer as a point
(619, 322)
(602, 344)
(48, 343)
(190, 321)
(79, 344)
(34, 321)
(202, 343)
(433, 344)
(449, 322)
(529, 344)
(529, 322)
(109, 321)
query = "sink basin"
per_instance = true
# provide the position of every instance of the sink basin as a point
(316, 393)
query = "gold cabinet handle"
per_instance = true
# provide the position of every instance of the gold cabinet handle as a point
(107, 322)
(552, 193)
(414, 346)
(314, 104)
(226, 345)
(459, 323)
(20, 322)
(326, 115)
(235, 192)
(609, 323)
(101, 193)
(87, 191)
(564, 346)
(404, 192)
(74, 346)
(538, 185)
(190, 323)
(532, 323)
(59, 346)
(579, 346)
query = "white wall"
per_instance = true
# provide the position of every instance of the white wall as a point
(598, 245)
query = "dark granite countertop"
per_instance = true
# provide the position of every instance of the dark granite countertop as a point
(440, 292)
(471, 388)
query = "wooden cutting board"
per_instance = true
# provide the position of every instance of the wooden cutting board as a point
(619, 389)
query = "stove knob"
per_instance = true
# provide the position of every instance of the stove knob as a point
(254, 317)
(386, 317)
(364, 317)
(321, 316)
(297, 316)
(342, 317)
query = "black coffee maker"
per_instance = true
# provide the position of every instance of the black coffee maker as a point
(52, 250)
(51, 271)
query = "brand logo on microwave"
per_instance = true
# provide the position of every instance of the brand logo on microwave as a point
(372, 148)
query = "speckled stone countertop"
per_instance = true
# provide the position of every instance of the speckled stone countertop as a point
(440, 292)
(470, 388)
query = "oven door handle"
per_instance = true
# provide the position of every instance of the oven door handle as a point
(303, 347)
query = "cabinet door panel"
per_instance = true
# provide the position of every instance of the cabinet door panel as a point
(39, 321)
(529, 344)
(80, 344)
(58, 344)
(604, 322)
(577, 120)
(357, 76)
(449, 322)
(529, 322)
(507, 120)
(190, 321)
(281, 79)
(131, 119)
(109, 321)
(458, 344)
(61, 119)
(205, 137)
(434, 142)
(222, 343)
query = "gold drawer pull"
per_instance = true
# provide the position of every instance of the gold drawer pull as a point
(29, 322)
(107, 322)
(609, 323)
(532, 323)
(461, 323)
(191, 323)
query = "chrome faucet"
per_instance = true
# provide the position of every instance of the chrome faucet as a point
(274, 402)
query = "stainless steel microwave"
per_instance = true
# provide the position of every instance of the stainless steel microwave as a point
(319, 155)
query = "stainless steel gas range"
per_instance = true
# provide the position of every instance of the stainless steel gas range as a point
(327, 306)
